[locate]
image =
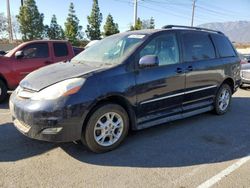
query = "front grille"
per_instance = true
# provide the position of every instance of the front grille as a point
(245, 74)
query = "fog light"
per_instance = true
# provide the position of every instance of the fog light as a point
(53, 130)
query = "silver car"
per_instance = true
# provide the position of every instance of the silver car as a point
(245, 73)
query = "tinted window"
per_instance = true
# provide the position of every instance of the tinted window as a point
(77, 50)
(165, 47)
(60, 49)
(37, 50)
(224, 46)
(197, 46)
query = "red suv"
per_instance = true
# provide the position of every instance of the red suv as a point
(27, 57)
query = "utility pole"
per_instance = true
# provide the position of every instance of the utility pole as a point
(9, 22)
(21, 2)
(135, 11)
(192, 22)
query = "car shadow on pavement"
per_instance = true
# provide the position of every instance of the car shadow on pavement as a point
(202, 139)
(5, 105)
(14, 146)
(246, 87)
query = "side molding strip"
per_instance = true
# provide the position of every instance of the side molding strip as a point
(178, 94)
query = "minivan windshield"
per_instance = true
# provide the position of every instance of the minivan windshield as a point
(109, 51)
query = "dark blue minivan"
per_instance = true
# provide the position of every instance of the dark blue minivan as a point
(128, 81)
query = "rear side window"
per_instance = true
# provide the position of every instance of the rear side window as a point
(60, 49)
(36, 50)
(224, 46)
(197, 46)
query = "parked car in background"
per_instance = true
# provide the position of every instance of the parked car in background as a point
(247, 57)
(245, 74)
(77, 50)
(131, 80)
(242, 58)
(29, 56)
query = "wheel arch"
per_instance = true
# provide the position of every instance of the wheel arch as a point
(230, 82)
(116, 99)
(4, 80)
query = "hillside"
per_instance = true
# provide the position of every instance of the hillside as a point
(238, 31)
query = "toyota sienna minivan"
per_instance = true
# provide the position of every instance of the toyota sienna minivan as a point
(128, 81)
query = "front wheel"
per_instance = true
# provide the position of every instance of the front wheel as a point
(223, 99)
(107, 128)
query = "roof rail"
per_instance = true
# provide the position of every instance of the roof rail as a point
(188, 27)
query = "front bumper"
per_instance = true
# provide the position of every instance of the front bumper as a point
(54, 121)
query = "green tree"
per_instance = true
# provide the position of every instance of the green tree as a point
(95, 19)
(55, 31)
(31, 21)
(138, 25)
(151, 23)
(148, 24)
(72, 27)
(3, 25)
(110, 27)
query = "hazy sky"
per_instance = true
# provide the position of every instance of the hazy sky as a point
(164, 11)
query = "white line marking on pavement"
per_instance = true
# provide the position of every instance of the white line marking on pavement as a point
(224, 173)
(220, 158)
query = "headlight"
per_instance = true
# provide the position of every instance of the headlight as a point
(64, 88)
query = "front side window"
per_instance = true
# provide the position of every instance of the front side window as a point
(197, 47)
(37, 50)
(165, 47)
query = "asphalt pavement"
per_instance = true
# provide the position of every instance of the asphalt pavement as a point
(205, 150)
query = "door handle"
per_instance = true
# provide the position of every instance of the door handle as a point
(179, 70)
(190, 68)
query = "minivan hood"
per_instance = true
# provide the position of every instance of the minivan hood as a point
(52, 74)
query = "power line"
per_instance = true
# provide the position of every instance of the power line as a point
(198, 11)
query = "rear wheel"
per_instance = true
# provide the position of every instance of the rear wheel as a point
(223, 99)
(3, 91)
(106, 129)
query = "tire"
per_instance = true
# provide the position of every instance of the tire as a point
(106, 128)
(222, 104)
(3, 91)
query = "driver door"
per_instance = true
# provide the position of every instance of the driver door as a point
(160, 88)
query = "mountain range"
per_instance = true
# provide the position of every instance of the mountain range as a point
(238, 31)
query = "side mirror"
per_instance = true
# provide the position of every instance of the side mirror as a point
(149, 61)
(19, 54)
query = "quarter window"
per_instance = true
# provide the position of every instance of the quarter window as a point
(224, 46)
(37, 50)
(165, 47)
(60, 49)
(197, 46)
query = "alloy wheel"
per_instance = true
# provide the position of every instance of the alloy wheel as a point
(108, 129)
